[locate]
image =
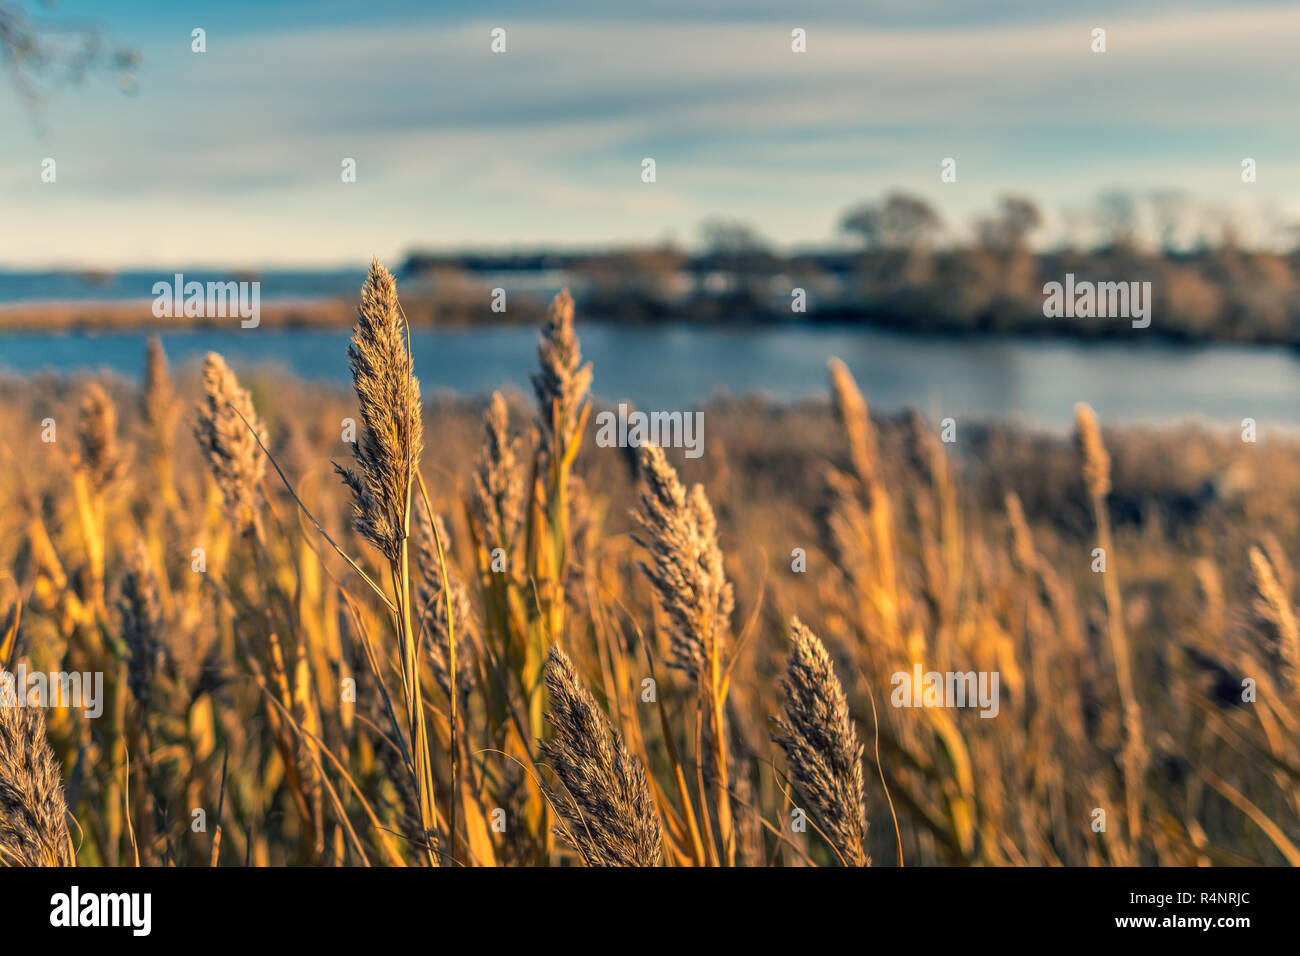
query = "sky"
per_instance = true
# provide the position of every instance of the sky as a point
(232, 157)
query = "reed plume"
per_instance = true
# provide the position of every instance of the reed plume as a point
(387, 452)
(157, 399)
(97, 435)
(853, 415)
(562, 383)
(605, 803)
(498, 482)
(1095, 458)
(1096, 478)
(1021, 536)
(1274, 606)
(686, 569)
(432, 601)
(141, 617)
(231, 449)
(33, 814)
(561, 386)
(159, 411)
(821, 744)
(873, 522)
(679, 532)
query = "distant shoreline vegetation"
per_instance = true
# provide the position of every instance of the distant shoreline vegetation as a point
(899, 278)
(1218, 296)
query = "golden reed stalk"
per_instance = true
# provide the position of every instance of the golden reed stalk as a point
(1096, 479)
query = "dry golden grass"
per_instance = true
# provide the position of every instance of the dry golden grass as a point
(33, 815)
(493, 643)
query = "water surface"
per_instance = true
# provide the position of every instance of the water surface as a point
(674, 366)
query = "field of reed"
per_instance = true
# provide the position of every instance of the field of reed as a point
(378, 630)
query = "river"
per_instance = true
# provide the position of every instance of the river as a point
(1036, 382)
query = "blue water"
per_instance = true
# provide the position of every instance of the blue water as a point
(68, 286)
(275, 284)
(666, 367)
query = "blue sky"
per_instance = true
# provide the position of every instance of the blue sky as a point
(232, 157)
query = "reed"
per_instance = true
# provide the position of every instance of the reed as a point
(544, 664)
(33, 814)
(560, 386)
(141, 625)
(498, 483)
(387, 454)
(821, 745)
(678, 532)
(1275, 607)
(603, 797)
(230, 435)
(1096, 478)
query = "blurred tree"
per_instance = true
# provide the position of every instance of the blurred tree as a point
(730, 238)
(901, 222)
(738, 249)
(1117, 218)
(43, 54)
(1008, 229)
(1004, 236)
(1171, 210)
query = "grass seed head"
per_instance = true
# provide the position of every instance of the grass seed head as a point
(232, 451)
(387, 451)
(97, 434)
(605, 803)
(33, 814)
(821, 745)
(498, 480)
(686, 564)
(141, 617)
(563, 380)
(1096, 460)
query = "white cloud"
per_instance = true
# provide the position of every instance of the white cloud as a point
(234, 156)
